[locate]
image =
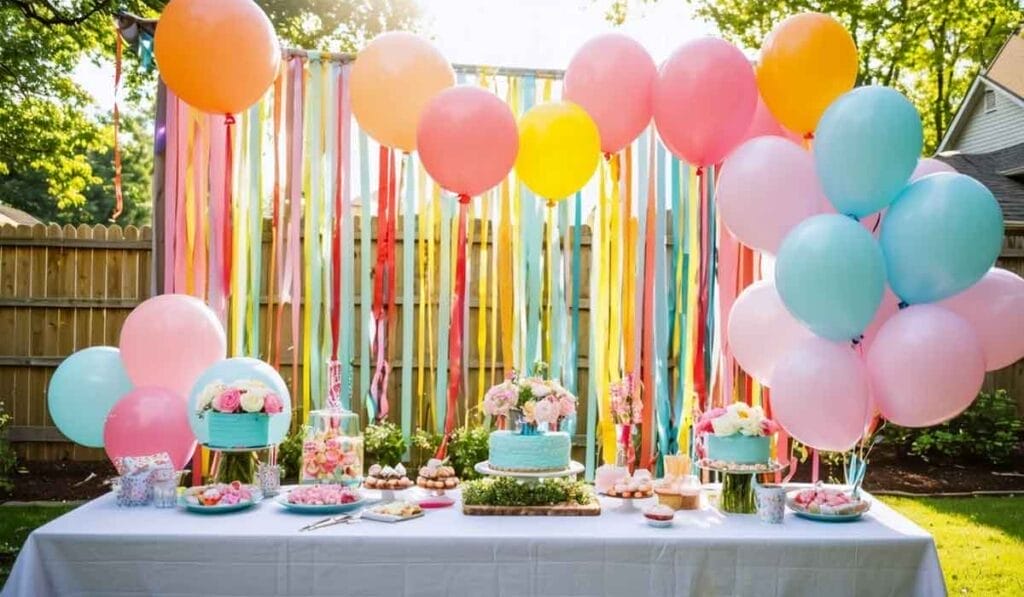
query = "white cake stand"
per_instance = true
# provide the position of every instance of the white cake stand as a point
(484, 468)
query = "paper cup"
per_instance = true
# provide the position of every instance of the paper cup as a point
(771, 503)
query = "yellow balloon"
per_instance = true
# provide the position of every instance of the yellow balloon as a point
(559, 148)
(806, 62)
(392, 80)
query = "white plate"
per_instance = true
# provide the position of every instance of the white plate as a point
(371, 515)
(484, 468)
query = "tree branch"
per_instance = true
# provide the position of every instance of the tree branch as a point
(30, 9)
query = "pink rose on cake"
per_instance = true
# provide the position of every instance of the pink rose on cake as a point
(738, 417)
(272, 404)
(228, 401)
(240, 396)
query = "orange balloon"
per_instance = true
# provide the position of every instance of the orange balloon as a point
(219, 56)
(806, 62)
(391, 82)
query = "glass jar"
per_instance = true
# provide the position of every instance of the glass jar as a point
(333, 448)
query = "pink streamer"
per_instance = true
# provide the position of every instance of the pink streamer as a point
(183, 160)
(217, 292)
(170, 188)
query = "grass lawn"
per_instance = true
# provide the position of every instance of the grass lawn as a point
(980, 540)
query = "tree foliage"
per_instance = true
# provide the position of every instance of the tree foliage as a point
(929, 49)
(56, 145)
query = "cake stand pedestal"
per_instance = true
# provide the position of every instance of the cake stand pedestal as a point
(738, 480)
(574, 470)
(626, 505)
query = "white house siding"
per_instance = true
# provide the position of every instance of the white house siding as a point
(989, 131)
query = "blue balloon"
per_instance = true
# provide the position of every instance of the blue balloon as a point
(865, 149)
(940, 236)
(82, 391)
(240, 369)
(831, 275)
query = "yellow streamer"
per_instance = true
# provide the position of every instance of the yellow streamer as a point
(691, 312)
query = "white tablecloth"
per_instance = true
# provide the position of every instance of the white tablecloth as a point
(100, 549)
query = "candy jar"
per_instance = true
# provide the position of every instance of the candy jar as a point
(332, 451)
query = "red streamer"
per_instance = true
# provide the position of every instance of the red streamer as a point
(456, 327)
(699, 373)
(383, 301)
(339, 215)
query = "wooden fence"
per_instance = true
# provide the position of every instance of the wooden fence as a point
(64, 289)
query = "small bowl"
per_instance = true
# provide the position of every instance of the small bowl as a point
(659, 520)
(659, 524)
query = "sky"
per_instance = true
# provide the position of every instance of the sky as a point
(525, 33)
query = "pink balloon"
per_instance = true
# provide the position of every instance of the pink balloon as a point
(704, 100)
(612, 78)
(760, 330)
(467, 139)
(926, 166)
(820, 394)
(889, 307)
(768, 186)
(170, 339)
(764, 124)
(149, 420)
(995, 309)
(926, 366)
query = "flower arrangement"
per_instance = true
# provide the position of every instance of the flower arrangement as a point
(627, 407)
(538, 400)
(245, 396)
(738, 417)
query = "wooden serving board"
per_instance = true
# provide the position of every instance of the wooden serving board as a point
(592, 509)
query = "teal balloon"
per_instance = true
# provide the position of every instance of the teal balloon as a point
(940, 236)
(830, 274)
(83, 389)
(866, 147)
(241, 369)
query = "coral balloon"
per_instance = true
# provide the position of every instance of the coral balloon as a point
(391, 81)
(149, 420)
(820, 394)
(761, 330)
(995, 309)
(926, 366)
(866, 148)
(764, 124)
(806, 62)
(559, 148)
(219, 57)
(168, 340)
(831, 276)
(467, 140)
(767, 186)
(612, 78)
(926, 166)
(704, 100)
(940, 236)
(82, 391)
(238, 369)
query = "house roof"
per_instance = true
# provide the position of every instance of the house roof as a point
(15, 217)
(1000, 171)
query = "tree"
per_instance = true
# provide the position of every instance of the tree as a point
(55, 147)
(929, 49)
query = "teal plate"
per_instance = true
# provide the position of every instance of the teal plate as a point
(320, 509)
(218, 509)
(828, 517)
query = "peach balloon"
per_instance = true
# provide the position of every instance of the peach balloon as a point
(219, 56)
(392, 80)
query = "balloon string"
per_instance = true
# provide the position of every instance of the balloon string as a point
(456, 327)
(229, 121)
(699, 374)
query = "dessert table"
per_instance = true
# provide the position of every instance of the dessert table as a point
(99, 548)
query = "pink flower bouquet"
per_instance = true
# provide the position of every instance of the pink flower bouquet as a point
(536, 399)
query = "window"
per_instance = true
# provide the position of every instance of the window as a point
(990, 100)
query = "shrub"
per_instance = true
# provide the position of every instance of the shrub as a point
(8, 459)
(467, 447)
(989, 430)
(289, 454)
(384, 443)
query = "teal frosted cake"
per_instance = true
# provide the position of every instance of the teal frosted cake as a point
(738, 448)
(542, 452)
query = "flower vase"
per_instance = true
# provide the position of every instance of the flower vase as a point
(737, 494)
(521, 426)
(624, 453)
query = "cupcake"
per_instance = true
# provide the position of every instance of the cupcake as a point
(659, 516)
(387, 478)
(437, 476)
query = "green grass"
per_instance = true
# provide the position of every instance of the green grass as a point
(980, 540)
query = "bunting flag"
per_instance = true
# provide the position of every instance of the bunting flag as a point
(322, 251)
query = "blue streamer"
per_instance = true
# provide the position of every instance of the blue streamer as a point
(366, 285)
(408, 302)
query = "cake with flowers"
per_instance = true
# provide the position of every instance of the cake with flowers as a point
(532, 408)
(737, 434)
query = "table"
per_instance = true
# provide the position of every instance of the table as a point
(101, 549)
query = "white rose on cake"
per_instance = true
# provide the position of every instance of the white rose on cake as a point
(252, 401)
(727, 424)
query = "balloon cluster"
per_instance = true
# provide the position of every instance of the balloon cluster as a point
(884, 299)
(139, 399)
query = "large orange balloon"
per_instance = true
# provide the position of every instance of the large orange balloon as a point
(806, 62)
(392, 80)
(219, 56)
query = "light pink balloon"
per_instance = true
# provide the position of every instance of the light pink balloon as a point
(926, 366)
(926, 166)
(612, 78)
(889, 307)
(820, 394)
(760, 330)
(170, 339)
(764, 123)
(995, 309)
(767, 186)
(704, 100)
(149, 420)
(467, 139)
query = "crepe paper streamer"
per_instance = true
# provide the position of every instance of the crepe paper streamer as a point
(349, 323)
(577, 250)
(366, 250)
(408, 301)
(292, 286)
(651, 249)
(382, 277)
(273, 340)
(170, 185)
(456, 335)
(507, 263)
(483, 282)
(531, 232)
(444, 312)
(662, 296)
